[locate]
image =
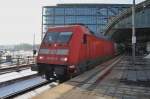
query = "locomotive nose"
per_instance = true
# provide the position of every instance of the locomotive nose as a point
(58, 51)
(53, 56)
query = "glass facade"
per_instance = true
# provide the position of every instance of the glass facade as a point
(95, 16)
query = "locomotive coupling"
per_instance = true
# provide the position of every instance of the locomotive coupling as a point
(72, 69)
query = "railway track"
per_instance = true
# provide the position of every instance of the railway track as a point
(14, 68)
(19, 86)
(104, 69)
(22, 86)
(17, 83)
(12, 81)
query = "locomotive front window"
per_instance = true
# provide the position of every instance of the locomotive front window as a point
(64, 37)
(61, 37)
(51, 37)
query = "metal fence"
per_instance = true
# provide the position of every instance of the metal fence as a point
(16, 60)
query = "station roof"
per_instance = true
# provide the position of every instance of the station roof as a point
(125, 29)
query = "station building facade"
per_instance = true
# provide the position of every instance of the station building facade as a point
(94, 16)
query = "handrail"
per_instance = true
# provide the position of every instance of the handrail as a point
(18, 60)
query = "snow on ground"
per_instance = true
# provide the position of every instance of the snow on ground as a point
(15, 75)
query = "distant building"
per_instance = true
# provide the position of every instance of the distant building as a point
(95, 16)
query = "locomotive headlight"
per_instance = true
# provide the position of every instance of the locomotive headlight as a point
(41, 57)
(64, 59)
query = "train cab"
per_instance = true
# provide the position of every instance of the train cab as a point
(59, 49)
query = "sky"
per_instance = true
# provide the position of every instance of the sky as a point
(21, 19)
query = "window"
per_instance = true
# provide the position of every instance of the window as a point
(59, 19)
(102, 11)
(48, 11)
(86, 11)
(61, 37)
(59, 11)
(64, 37)
(102, 20)
(86, 19)
(70, 19)
(48, 20)
(70, 11)
(92, 28)
(112, 11)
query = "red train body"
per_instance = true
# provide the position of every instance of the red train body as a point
(71, 50)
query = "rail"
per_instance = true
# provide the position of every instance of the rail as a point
(18, 87)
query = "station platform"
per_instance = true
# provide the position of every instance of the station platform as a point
(115, 79)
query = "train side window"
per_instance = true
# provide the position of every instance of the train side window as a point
(84, 39)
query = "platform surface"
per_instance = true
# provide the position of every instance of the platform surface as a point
(16, 75)
(121, 80)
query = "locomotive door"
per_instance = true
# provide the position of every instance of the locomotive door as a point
(88, 48)
(89, 52)
(86, 52)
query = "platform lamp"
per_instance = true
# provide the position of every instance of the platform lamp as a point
(133, 32)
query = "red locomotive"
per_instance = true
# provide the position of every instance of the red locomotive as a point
(70, 50)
